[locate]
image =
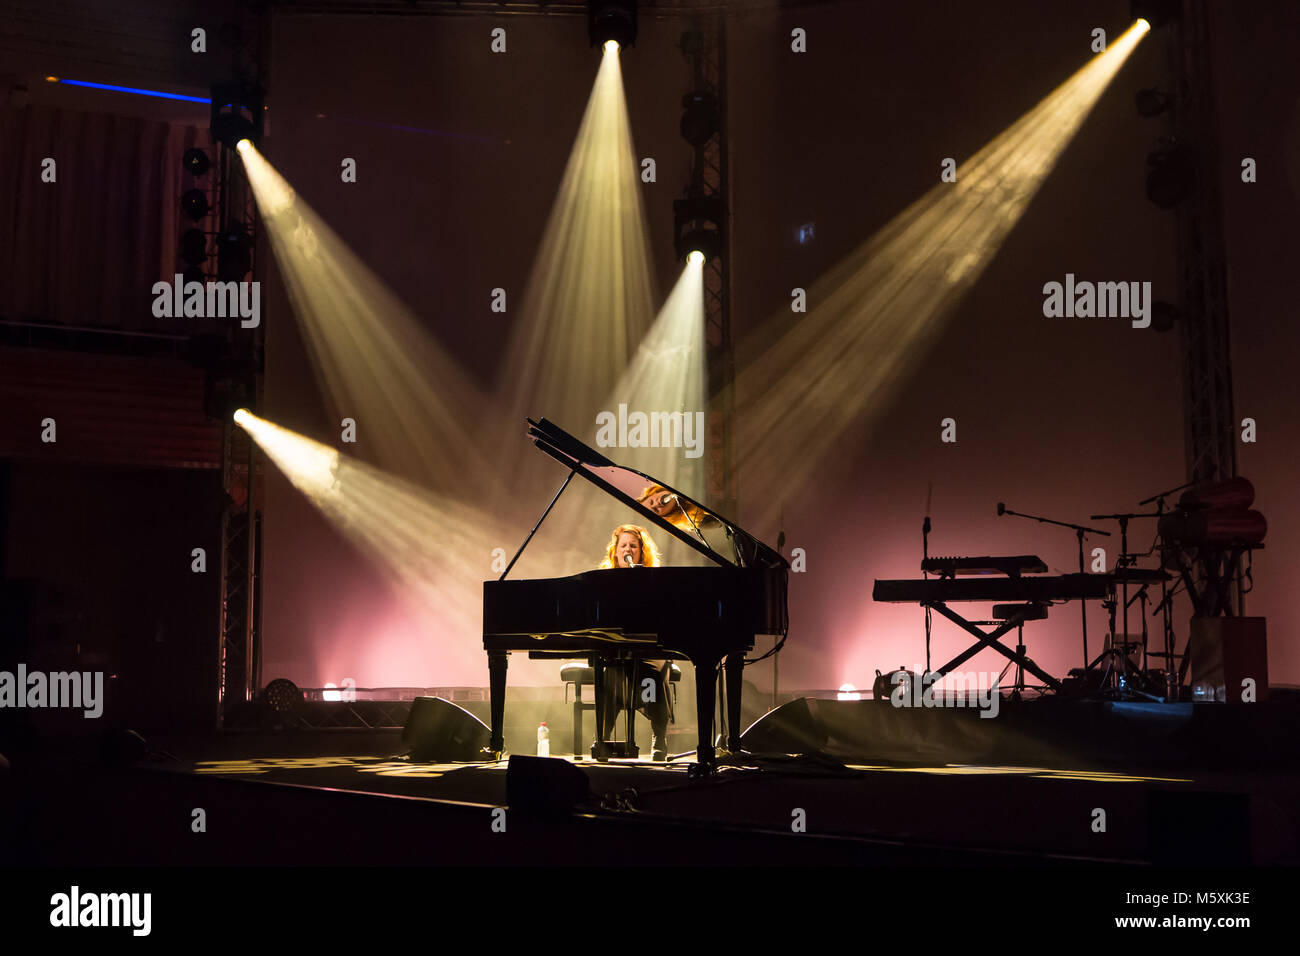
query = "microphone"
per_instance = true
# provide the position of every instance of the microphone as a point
(627, 559)
(1002, 509)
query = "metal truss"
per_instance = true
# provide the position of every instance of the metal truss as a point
(1210, 427)
(1209, 434)
(239, 629)
(709, 179)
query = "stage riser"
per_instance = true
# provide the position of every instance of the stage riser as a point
(1049, 732)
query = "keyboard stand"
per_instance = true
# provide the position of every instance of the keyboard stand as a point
(991, 639)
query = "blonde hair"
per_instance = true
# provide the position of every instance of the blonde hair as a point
(687, 516)
(649, 553)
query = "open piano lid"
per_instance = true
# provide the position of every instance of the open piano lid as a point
(712, 535)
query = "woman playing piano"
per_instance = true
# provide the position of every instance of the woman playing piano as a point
(630, 547)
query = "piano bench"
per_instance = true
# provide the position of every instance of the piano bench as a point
(584, 675)
(1033, 611)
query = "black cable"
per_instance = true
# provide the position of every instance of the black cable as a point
(775, 647)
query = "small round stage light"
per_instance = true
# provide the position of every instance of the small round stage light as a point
(695, 257)
(848, 692)
(697, 226)
(1153, 14)
(196, 161)
(281, 698)
(611, 20)
(244, 144)
(611, 46)
(237, 113)
(195, 204)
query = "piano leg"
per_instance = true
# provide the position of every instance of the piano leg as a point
(498, 661)
(706, 679)
(598, 749)
(735, 671)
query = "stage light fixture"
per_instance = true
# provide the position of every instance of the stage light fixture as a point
(1151, 102)
(228, 388)
(282, 696)
(236, 113)
(611, 20)
(234, 255)
(196, 161)
(1156, 13)
(697, 226)
(195, 204)
(1171, 174)
(194, 247)
(700, 120)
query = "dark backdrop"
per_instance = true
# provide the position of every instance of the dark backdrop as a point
(1064, 418)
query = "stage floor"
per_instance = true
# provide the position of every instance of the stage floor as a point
(347, 797)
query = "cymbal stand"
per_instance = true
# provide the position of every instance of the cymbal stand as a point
(1120, 669)
(1124, 559)
(1173, 679)
(1141, 598)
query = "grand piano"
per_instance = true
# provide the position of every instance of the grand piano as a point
(702, 614)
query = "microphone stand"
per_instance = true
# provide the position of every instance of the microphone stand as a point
(1079, 531)
(1165, 494)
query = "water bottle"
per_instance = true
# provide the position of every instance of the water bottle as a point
(543, 740)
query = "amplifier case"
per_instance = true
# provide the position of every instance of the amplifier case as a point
(1224, 651)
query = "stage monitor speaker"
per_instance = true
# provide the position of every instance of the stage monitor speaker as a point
(545, 785)
(792, 728)
(438, 731)
(1224, 651)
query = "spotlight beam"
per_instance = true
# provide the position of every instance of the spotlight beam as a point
(589, 297)
(377, 364)
(800, 389)
(434, 549)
